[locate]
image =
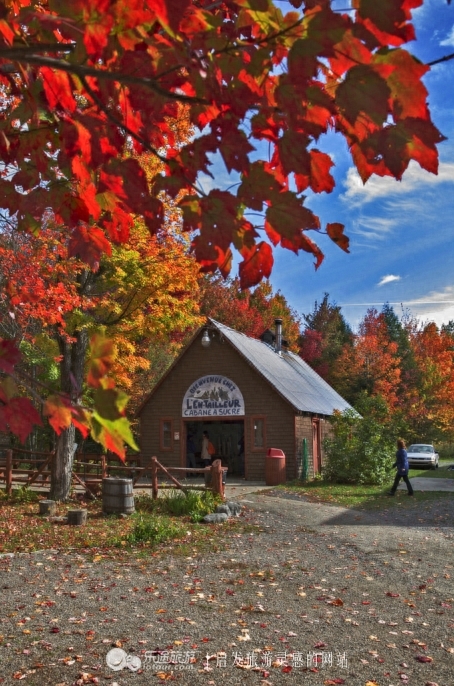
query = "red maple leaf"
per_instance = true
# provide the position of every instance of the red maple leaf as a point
(89, 243)
(9, 356)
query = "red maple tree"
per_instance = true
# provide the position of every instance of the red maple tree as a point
(250, 311)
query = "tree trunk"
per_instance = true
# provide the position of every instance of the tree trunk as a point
(62, 464)
(72, 364)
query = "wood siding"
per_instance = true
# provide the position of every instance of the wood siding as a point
(260, 398)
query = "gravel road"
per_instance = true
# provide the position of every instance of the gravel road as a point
(298, 593)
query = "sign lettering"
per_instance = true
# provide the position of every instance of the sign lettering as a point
(213, 396)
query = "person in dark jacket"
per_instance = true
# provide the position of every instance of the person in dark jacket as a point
(402, 468)
(190, 453)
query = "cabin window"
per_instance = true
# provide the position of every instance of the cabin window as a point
(166, 434)
(258, 433)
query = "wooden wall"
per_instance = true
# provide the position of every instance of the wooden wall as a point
(259, 396)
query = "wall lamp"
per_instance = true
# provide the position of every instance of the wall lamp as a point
(211, 333)
(206, 340)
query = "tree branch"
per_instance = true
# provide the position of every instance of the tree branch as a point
(446, 58)
(47, 47)
(16, 55)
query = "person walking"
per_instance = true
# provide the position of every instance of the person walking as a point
(402, 468)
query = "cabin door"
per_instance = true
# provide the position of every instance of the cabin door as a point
(316, 446)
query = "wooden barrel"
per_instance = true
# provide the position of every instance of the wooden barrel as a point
(117, 496)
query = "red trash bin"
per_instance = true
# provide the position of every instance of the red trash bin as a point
(275, 467)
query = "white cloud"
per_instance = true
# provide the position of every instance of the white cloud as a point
(414, 178)
(449, 40)
(445, 296)
(375, 228)
(435, 306)
(389, 278)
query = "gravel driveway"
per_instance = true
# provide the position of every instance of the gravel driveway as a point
(298, 593)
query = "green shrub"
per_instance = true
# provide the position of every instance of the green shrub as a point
(145, 503)
(361, 450)
(193, 504)
(153, 529)
(445, 449)
(24, 495)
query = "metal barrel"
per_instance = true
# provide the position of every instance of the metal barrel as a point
(117, 496)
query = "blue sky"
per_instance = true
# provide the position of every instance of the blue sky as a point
(401, 233)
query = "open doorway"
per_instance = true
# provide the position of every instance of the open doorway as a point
(227, 438)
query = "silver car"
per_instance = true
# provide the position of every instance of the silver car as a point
(422, 455)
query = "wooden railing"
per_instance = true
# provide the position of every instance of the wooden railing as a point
(27, 467)
(214, 477)
(12, 467)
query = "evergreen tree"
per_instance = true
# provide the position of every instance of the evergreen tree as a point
(324, 337)
(448, 328)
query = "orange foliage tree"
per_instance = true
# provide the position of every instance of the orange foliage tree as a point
(140, 296)
(410, 366)
(430, 408)
(371, 364)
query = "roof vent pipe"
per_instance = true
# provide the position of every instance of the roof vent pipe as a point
(278, 340)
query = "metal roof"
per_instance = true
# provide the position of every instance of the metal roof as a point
(292, 378)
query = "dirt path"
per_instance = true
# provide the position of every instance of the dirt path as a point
(297, 593)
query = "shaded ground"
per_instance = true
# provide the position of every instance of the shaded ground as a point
(421, 483)
(298, 593)
(401, 512)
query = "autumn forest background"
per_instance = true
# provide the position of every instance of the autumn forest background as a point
(149, 297)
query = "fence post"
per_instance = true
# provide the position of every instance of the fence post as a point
(216, 478)
(9, 472)
(154, 477)
(103, 467)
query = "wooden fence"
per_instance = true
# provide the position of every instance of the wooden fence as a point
(29, 468)
(24, 467)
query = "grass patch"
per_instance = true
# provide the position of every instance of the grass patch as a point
(155, 523)
(441, 473)
(21, 495)
(361, 496)
(193, 504)
(152, 529)
(403, 502)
